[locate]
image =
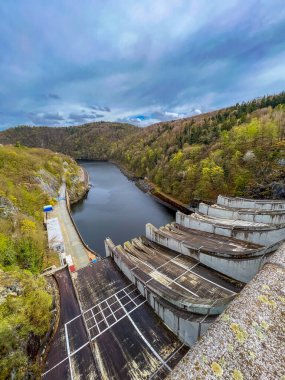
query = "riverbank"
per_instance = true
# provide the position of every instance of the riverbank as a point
(149, 187)
(115, 207)
(80, 186)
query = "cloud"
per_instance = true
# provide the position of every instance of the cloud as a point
(53, 96)
(80, 118)
(100, 108)
(128, 63)
(150, 118)
(45, 118)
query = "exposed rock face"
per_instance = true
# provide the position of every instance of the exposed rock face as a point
(278, 189)
(79, 186)
(249, 156)
(48, 183)
(8, 286)
(273, 190)
(6, 207)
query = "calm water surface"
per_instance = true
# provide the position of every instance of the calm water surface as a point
(115, 208)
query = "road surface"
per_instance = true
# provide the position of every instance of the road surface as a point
(72, 242)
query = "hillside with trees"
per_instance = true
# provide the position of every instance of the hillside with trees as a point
(89, 141)
(29, 179)
(235, 151)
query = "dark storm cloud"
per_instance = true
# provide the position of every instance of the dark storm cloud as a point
(83, 117)
(45, 118)
(120, 60)
(99, 108)
(53, 96)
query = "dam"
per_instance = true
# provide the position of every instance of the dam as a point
(135, 313)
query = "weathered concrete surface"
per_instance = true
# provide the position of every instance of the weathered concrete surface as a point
(188, 286)
(247, 340)
(258, 233)
(250, 215)
(237, 259)
(263, 204)
(206, 242)
(72, 242)
(57, 363)
(188, 326)
(128, 340)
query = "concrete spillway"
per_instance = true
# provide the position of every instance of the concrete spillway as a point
(134, 314)
(107, 330)
(234, 258)
(199, 263)
(181, 281)
(249, 215)
(259, 233)
(256, 204)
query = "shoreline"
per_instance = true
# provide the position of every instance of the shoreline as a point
(142, 183)
(91, 253)
(86, 188)
(150, 188)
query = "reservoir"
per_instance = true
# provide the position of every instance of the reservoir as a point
(115, 207)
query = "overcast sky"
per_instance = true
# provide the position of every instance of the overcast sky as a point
(68, 62)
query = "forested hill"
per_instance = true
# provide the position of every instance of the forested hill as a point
(239, 150)
(86, 141)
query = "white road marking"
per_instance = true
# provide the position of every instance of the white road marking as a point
(103, 315)
(118, 320)
(170, 357)
(88, 342)
(164, 275)
(189, 269)
(143, 338)
(84, 312)
(68, 350)
(169, 261)
(93, 316)
(108, 306)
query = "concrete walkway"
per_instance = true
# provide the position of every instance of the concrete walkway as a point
(72, 242)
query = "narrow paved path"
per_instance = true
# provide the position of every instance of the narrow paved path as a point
(72, 242)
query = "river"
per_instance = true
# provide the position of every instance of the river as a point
(115, 208)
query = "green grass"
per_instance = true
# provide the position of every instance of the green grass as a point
(24, 253)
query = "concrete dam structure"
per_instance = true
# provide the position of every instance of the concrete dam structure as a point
(195, 266)
(135, 313)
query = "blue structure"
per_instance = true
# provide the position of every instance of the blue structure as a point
(47, 208)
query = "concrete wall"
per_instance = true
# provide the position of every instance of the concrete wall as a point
(188, 331)
(239, 269)
(251, 203)
(260, 236)
(260, 303)
(247, 215)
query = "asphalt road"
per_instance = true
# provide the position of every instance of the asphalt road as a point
(72, 242)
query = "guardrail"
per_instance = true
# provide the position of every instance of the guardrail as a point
(75, 226)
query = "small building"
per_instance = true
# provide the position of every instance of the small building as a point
(55, 238)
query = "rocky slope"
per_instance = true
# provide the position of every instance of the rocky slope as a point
(29, 179)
